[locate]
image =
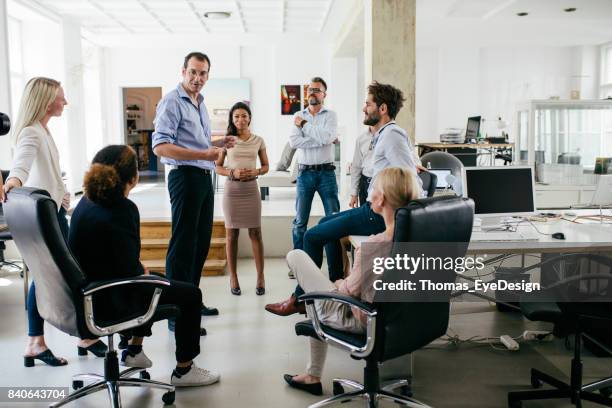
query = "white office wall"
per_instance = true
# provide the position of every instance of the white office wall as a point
(456, 82)
(152, 67)
(267, 67)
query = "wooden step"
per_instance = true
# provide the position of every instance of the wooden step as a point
(157, 248)
(212, 267)
(163, 229)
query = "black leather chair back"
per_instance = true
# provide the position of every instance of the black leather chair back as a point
(32, 219)
(405, 327)
(430, 181)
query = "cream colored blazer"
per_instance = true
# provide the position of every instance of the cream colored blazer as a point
(36, 162)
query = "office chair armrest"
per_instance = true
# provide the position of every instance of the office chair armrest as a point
(136, 280)
(366, 308)
(157, 282)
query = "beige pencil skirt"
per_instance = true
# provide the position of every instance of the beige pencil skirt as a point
(241, 204)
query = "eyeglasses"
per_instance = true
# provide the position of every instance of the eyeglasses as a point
(314, 90)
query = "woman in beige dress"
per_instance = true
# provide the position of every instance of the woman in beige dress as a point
(241, 199)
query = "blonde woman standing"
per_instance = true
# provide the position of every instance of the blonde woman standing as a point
(36, 164)
(241, 199)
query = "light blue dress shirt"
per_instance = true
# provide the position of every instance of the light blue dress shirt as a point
(180, 122)
(314, 142)
(392, 148)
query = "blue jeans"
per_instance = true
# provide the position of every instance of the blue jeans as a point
(36, 323)
(357, 221)
(309, 182)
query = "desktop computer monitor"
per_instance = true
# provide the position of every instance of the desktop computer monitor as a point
(472, 129)
(500, 191)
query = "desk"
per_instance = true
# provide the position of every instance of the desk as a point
(490, 148)
(593, 237)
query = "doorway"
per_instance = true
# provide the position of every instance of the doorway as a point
(139, 106)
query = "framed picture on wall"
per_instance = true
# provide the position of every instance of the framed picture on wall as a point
(290, 99)
(305, 96)
(221, 95)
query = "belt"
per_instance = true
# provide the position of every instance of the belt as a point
(317, 167)
(187, 167)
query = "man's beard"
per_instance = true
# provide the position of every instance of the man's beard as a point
(371, 120)
(313, 101)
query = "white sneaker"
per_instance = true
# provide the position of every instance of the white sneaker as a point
(140, 360)
(195, 377)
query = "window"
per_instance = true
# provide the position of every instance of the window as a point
(606, 70)
(16, 63)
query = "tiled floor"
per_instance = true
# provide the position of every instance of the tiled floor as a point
(252, 349)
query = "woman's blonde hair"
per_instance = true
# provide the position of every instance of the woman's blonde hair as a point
(398, 185)
(38, 94)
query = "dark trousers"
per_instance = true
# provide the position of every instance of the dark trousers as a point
(36, 324)
(188, 299)
(364, 185)
(192, 200)
(357, 221)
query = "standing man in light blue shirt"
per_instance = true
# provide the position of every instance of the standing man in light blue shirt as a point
(313, 135)
(182, 139)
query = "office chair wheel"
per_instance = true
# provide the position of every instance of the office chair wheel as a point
(606, 392)
(145, 375)
(76, 384)
(338, 388)
(536, 383)
(168, 398)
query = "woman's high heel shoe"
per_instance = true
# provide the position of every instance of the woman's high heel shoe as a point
(236, 291)
(260, 290)
(98, 349)
(46, 357)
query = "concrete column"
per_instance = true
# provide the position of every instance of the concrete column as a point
(390, 51)
(5, 86)
(75, 111)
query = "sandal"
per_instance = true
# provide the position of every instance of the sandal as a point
(46, 357)
(98, 349)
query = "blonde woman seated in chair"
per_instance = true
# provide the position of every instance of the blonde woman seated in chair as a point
(394, 187)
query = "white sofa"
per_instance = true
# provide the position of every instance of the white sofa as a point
(277, 178)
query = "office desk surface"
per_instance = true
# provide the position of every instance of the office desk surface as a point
(442, 146)
(592, 237)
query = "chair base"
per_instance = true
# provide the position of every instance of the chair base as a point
(112, 380)
(371, 397)
(562, 391)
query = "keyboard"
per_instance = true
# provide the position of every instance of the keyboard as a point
(504, 236)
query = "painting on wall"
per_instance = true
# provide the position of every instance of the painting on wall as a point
(305, 96)
(290, 99)
(220, 94)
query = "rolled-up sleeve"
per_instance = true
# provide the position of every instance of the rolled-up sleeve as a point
(167, 119)
(356, 168)
(298, 140)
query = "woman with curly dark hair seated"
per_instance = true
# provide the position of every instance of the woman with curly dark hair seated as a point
(105, 239)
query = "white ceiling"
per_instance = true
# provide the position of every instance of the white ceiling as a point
(108, 17)
(494, 22)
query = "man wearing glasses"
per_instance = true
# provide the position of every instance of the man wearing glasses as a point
(313, 134)
(182, 139)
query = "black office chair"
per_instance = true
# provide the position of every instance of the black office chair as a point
(70, 303)
(5, 236)
(430, 182)
(562, 305)
(395, 329)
